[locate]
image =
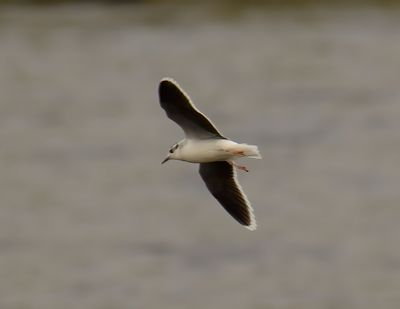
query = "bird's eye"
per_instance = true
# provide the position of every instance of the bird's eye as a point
(173, 148)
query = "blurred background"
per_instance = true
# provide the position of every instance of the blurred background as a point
(90, 219)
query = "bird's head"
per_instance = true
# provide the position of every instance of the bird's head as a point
(173, 153)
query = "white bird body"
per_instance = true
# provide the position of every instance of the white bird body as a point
(203, 151)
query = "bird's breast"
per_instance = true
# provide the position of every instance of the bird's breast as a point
(205, 151)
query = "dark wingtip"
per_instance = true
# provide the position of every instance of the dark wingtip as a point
(166, 81)
(166, 86)
(169, 90)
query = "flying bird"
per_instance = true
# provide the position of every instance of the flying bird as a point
(204, 144)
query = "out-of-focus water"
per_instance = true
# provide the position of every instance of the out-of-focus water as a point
(90, 219)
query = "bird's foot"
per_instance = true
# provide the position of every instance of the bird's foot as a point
(240, 167)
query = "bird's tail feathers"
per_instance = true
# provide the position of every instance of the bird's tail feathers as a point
(250, 151)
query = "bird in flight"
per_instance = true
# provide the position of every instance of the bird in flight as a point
(204, 144)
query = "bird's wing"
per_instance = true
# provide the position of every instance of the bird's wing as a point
(220, 178)
(180, 109)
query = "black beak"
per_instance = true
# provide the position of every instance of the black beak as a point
(165, 160)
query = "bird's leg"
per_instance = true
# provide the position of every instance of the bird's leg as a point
(238, 153)
(241, 167)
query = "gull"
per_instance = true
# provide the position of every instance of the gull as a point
(204, 144)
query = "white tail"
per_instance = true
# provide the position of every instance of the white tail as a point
(250, 151)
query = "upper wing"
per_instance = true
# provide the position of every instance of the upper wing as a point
(179, 109)
(220, 178)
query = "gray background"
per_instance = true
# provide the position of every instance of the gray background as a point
(90, 219)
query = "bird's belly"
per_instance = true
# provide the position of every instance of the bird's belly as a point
(203, 152)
